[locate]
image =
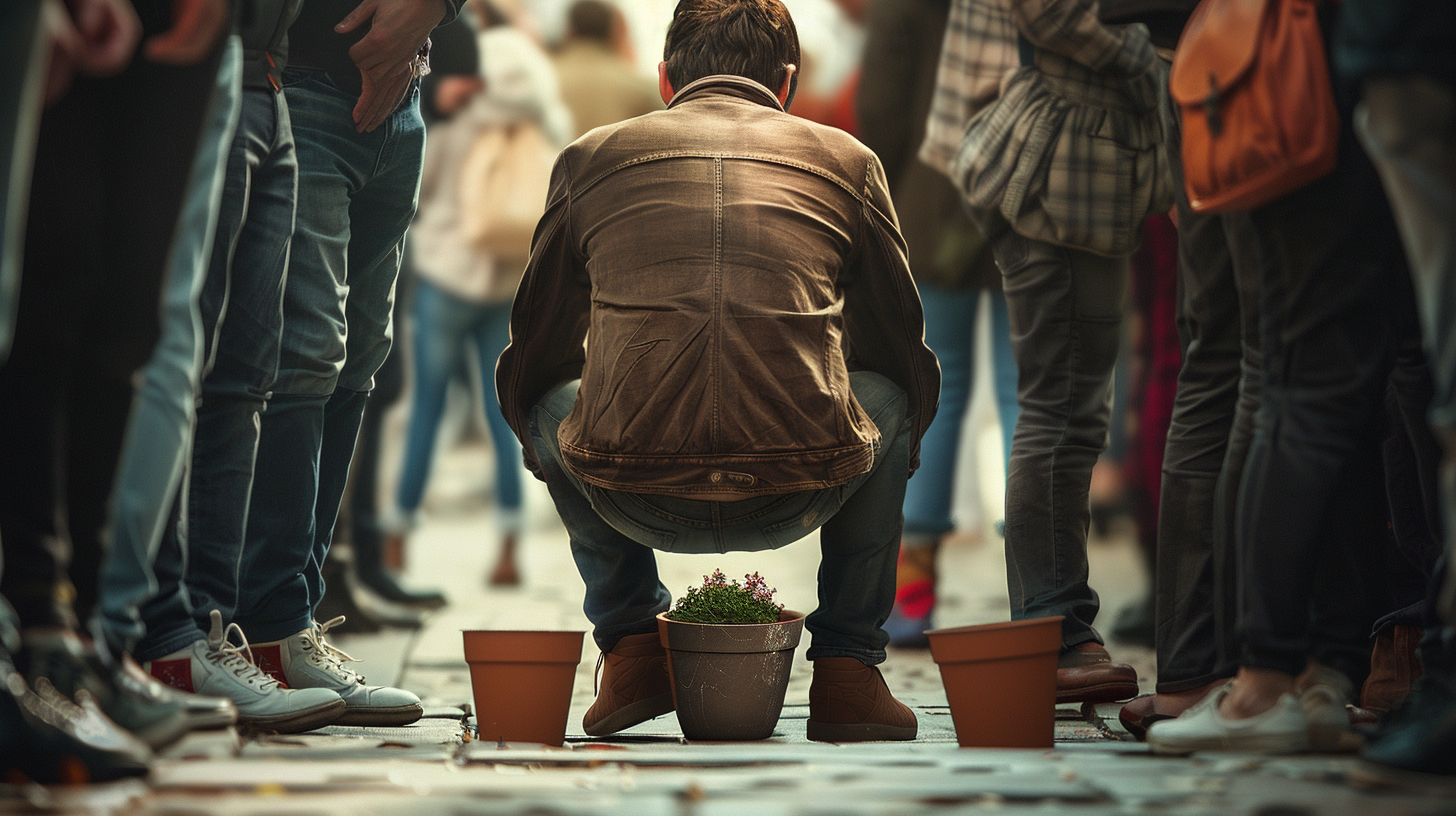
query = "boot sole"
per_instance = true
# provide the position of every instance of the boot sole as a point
(630, 715)
(1102, 693)
(295, 722)
(380, 717)
(859, 732)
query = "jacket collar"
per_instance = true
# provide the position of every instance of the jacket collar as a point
(727, 85)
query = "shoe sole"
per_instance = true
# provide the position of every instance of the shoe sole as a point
(380, 717)
(1259, 744)
(630, 715)
(1103, 693)
(297, 721)
(859, 732)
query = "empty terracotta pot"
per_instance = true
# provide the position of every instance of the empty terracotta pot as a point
(728, 681)
(1001, 679)
(522, 683)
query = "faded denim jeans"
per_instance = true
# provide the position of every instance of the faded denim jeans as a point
(613, 533)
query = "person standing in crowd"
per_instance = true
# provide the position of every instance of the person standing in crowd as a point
(952, 265)
(716, 407)
(1401, 54)
(185, 644)
(350, 87)
(1335, 305)
(1065, 300)
(463, 290)
(594, 65)
(112, 166)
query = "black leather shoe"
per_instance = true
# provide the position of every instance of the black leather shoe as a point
(382, 583)
(51, 740)
(1416, 749)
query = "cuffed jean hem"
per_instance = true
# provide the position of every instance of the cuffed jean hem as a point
(1175, 686)
(269, 632)
(164, 643)
(869, 657)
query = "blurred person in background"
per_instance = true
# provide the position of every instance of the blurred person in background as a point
(594, 64)
(952, 265)
(463, 289)
(1401, 55)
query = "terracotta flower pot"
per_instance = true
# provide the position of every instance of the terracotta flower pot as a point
(728, 681)
(1001, 679)
(522, 683)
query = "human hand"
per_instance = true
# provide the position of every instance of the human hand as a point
(107, 31)
(397, 30)
(196, 25)
(94, 37)
(452, 92)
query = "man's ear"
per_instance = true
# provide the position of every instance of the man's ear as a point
(664, 85)
(786, 91)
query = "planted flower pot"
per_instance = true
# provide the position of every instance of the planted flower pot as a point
(522, 683)
(729, 680)
(1001, 680)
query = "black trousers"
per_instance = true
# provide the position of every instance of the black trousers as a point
(111, 169)
(1335, 302)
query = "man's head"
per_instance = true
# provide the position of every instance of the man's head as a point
(591, 20)
(748, 38)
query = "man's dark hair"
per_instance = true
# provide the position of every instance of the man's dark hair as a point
(590, 20)
(748, 38)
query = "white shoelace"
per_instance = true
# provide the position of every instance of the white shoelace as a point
(239, 659)
(332, 654)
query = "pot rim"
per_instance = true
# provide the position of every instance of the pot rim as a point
(785, 616)
(502, 645)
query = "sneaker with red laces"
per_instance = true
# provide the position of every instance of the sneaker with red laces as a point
(634, 686)
(849, 702)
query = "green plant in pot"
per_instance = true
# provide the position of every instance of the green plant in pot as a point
(730, 647)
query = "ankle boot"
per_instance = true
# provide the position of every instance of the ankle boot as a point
(849, 702)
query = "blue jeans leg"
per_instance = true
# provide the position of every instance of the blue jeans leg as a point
(242, 316)
(160, 425)
(357, 195)
(950, 324)
(442, 325)
(1065, 307)
(623, 592)
(492, 335)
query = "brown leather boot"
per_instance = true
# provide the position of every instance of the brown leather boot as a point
(849, 702)
(1393, 667)
(1086, 674)
(634, 686)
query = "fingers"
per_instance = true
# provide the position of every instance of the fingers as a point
(196, 25)
(107, 34)
(65, 43)
(362, 12)
(381, 96)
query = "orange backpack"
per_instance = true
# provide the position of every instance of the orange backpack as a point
(1257, 108)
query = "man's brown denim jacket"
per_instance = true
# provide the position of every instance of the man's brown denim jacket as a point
(726, 265)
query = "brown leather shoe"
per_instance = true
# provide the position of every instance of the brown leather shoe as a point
(1086, 674)
(634, 686)
(1393, 667)
(849, 702)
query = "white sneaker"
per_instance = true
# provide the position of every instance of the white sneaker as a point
(1283, 729)
(306, 661)
(1324, 694)
(216, 668)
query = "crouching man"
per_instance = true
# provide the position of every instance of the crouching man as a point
(753, 367)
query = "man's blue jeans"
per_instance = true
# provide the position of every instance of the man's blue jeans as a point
(242, 318)
(613, 533)
(356, 197)
(159, 428)
(950, 327)
(445, 327)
